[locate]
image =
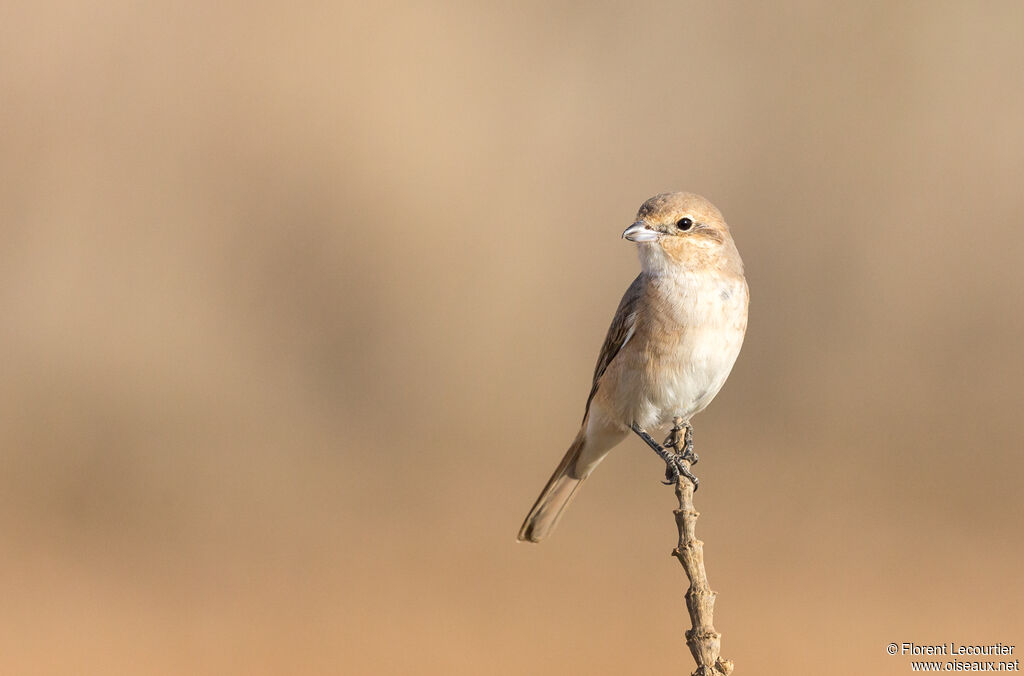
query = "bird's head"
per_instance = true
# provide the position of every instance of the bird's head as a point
(682, 229)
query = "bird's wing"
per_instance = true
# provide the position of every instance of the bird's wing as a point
(619, 333)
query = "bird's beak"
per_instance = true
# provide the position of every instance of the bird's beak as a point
(639, 232)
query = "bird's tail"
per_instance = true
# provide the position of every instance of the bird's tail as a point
(557, 494)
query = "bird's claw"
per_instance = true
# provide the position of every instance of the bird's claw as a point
(676, 464)
(675, 467)
(673, 441)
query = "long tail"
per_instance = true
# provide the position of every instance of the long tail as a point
(557, 494)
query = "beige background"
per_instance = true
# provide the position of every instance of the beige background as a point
(299, 307)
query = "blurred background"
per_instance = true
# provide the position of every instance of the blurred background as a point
(299, 306)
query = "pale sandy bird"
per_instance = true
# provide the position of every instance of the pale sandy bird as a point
(671, 345)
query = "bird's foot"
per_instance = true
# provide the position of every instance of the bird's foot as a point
(675, 466)
(678, 464)
(673, 441)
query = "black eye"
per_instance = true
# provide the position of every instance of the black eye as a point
(684, 224)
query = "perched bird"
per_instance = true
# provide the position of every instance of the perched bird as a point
(670, 347)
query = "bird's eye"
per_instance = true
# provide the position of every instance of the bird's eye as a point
(684, 224)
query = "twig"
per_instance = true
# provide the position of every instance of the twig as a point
(705, 643)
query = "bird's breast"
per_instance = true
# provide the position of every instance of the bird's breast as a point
(685, 344)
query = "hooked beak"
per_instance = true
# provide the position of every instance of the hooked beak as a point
(639, 232)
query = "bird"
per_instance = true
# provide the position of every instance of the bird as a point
(671, 345)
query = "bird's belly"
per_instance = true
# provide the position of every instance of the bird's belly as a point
(678, 358)
(683, 382)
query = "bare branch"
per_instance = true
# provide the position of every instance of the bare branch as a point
(703, 640)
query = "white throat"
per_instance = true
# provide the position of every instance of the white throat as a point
(655, 262)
